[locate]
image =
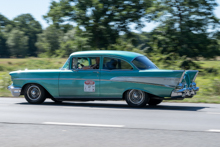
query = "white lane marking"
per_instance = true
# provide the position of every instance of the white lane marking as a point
(81, 124)
(213, 113)
(213, 130)
(95, 108)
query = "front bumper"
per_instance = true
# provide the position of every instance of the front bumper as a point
(184, 92)
(15, 91)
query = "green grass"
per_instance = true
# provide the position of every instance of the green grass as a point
(7, 65)
(31, 63)
(208, 79)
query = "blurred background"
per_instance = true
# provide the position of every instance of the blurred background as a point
(174, 34)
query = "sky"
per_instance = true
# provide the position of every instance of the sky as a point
(38, 8)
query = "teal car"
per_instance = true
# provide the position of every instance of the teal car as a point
(105, 75)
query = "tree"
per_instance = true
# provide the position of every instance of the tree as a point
(17, 43)
(4, 23)
(72, 41)
(102, 19)
(185, 28)
(3, 47)
(49, 41)
(31, 28)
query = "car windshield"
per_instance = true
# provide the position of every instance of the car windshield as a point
(143, 63)
(66, 65)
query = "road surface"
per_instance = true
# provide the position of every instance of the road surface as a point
(107, 123)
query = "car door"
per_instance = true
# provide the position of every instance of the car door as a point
(114, 68)
(79, 81)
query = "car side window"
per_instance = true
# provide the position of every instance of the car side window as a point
(116, 64)
(74, 63)
(85, 63)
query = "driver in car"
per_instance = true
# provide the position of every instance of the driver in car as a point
(94, 66)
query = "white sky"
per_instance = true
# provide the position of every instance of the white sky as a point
(38, 8)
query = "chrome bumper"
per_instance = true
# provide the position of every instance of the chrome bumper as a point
(184, 93)
(15, 91)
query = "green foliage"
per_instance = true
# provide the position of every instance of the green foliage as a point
(10, 64)
(215, 87)
(31, 28)
(185, 28)
(3, 47)
(24, 26)
(5, 80)
(185, 32)
(4, 22)
(72, 41)
(102, 19)
(140, 41)
(49, 41)
(188, 64)
(121, 45)
(17, 43)
(54, 42)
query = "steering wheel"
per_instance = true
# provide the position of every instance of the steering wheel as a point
(80, 64)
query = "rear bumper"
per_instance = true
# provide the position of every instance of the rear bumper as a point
(184, 93)
(15, 91)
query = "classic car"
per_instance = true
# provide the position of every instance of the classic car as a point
(105, 75)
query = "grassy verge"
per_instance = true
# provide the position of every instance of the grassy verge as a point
(208, 79)
(8, 65)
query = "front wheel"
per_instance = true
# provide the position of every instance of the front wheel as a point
(136, 98)
(34, 94)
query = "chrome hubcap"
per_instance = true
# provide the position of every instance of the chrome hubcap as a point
(33, 92)
(136, 96)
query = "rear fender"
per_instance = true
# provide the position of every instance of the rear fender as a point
(186, 88)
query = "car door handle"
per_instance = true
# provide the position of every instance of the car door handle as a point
(96, 71)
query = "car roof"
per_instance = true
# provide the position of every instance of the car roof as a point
(123, 54)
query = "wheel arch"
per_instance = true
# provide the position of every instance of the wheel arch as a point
(150, 95)
(48, 95)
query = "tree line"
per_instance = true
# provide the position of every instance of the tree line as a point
(187, 29)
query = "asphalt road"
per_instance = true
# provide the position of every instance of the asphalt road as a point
(107, 123)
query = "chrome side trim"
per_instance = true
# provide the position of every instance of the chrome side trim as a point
(88, 98)
(157, 81)
(171, 86)
(148, 77)
(162, 81)
(15, 91)
(53, 79)
(35, 78)
(77, 79)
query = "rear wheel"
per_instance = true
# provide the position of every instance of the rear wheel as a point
(136, 98)
(35, 94)
(154, 102)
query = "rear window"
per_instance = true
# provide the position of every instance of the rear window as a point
(143, 63)
(116, 64)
